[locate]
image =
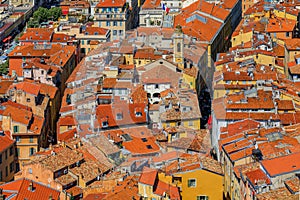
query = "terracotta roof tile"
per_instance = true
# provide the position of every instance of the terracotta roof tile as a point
(28, 87)
(20, 188)
(257, 177)
(282, 165)
(148, 176)
(5, 141)
(163, 188)
(110, 3)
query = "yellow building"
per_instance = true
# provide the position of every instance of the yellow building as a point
(7, 157)
(200, 181)
(189, 77)
(241, 37)
(145, 56)
(112, 15)
(27, 129)
(153, 185)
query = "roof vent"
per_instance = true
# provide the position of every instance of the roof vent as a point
(30, 187)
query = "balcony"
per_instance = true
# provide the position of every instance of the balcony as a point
(110, 17)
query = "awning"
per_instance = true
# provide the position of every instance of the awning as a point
(64, 10)
(6, 39)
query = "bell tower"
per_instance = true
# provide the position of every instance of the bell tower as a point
(178, 46)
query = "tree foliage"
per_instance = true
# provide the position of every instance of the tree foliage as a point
(4, 68)
(44, 15)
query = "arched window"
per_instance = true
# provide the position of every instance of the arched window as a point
(178, 47)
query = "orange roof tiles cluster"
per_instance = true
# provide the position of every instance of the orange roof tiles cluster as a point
(118, 114)
(21, 189)
(110, 3)
(148, 176)
(282, 165)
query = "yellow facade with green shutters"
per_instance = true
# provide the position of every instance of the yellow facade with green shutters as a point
(190, 123)
(206, 184)
(189, 80)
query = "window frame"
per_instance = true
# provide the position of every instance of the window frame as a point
(189, 184)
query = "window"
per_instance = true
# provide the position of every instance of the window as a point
(6, 155)
(31, 151)
(115, 23)
(108, 23)
(30, 171)
(115, 32)
(86, 33)
(18, 152)
(178, 47)
(28, 100)
(138, 114)
(192, 183)
(287, 34)
(202, 197)
(0, 158)
(191, 123)
(121, 23)
(16, 129)
(6, 171)
(119, 116)
(104, 124)
(11, 167)
(31, 139)
(121, 32)
(156, 86)
(115, 10)
(1, 176)
(82, 42)
(18, 139)
(96, 33)
(11, 151)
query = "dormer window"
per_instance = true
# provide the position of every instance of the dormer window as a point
(119, 116)
(138, 114)
(104, 124)
(86, 33)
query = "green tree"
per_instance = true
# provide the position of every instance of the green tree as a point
(41, 15)
(4, 68)
(54, 13)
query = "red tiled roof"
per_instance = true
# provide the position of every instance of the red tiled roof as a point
(282, 165)
(67, 121)
(256, 176)
(20, 188)
(23, 116)
(5, 141)
(108, 113)
(27, 87)
(48, 90)
(37, 34)
(4, 86)
(110, 3)
(65, 136)
(164, 188)
(148, 176)
(90, 30)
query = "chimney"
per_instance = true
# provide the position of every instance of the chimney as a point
(30, 187)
